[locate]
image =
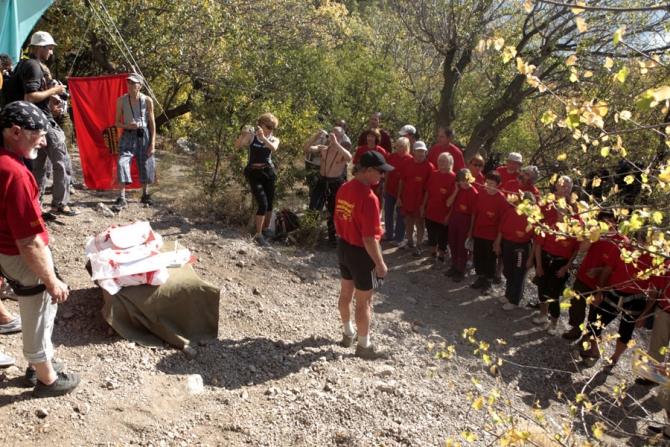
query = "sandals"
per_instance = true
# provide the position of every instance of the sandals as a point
(65, 210)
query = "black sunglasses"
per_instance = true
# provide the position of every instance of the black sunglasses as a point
(380, 170)
(269, 127)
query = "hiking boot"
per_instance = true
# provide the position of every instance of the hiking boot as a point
(30, 377)
(573, 334)
(479, 283)
(260, 240)
(64, 384)
(371, 352)
(451, 272)
(146, 199)
(120, 204)
(458, 276)
(348, 341)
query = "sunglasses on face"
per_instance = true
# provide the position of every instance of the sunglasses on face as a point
(380, 170)
(269, 127)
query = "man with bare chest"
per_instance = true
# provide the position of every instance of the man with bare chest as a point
(334, 157)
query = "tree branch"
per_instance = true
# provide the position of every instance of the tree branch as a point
(603, 8)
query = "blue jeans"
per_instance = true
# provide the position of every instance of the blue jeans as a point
(389, 206)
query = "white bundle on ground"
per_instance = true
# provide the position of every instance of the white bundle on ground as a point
(128, 255)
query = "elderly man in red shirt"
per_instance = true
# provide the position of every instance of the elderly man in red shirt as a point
(511, 170)
(444, 138)
(25, 258)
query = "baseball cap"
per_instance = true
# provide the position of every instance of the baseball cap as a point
(420, 146)
(373, 159)
(135, 78)
(23, 114)
(407, 130)
(515, 156)
(41, 39)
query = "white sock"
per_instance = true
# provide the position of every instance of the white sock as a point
(348, 329)
(364, 342)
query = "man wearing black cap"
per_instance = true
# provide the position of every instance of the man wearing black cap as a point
(362, 266)
(25, 258)
(39, 89)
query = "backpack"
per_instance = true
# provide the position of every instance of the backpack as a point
(12, 86)
(493, 162)
(285, 222)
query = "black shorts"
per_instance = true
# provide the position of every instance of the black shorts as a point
(357, 265)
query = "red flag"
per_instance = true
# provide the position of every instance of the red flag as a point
(94, 109)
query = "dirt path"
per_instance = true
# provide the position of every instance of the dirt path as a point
(276, 376)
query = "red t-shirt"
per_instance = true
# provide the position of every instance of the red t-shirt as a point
(623, 277)
(20, 212)
(514, 227)
(514, 187)
(558, 245)
(662, 284)
(357, 213)
(489, 211)
(479, 183)
(435, 151)
(393, 177)
(505, 175)
(598, 254)
(439, 187)
(386, 142)
(414, 176)
(466, 201)
(363, 149)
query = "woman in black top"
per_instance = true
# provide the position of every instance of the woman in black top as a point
(260, 171)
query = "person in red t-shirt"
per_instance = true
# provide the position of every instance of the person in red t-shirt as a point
(462, 203)
(513, 246)
(524, 182)
(491, 205)
(588, 275)
(413, 177)
(361, 262)
(434, 210)
(395, 233)
(620, 292)
(24, 253)
(444, 138)
(385, 140)
(372, 140)
(475, 165)
(554, 255)
(511, 170)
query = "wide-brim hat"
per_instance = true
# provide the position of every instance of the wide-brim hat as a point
(42, 39)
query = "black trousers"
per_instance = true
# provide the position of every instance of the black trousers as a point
(484, 258)
(550, 287)
(577, 309)
(514, 258)
(438, 234)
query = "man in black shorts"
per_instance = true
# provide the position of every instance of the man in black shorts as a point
(362, 266)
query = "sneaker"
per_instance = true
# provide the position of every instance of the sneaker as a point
(347, 341)
(540, 318)
(6, 292)
(30, 377)
(533, 305)
(429, 260)
(260, 240)
(509, 306)
(458, 276)
(479, 283)
(497, 280)
(64, 384)
(395, 243)
(6, 360)
(120, 204)
(371, 352)
(658, 431)
(11, 327)
(439, 264)
(417, 252)
(146, 199)
(573, 334)
(402, 246)
(503, 300)
(609, 368)
(268, 233)
(645, 382)
(552, 329)
(451, 272)
(487, 289)
(410, 243)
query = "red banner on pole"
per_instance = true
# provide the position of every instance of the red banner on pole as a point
(93, 110)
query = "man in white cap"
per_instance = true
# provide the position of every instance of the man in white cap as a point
(408, 131)
(511, 170)
(25, 258)
(39, 89)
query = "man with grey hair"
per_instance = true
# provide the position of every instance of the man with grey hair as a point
(526, 181)
(42, 90)
(511, 170)
(25, 258)
(334, 158)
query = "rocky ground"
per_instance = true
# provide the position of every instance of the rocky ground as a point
(276, 375)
